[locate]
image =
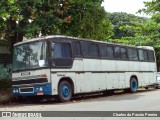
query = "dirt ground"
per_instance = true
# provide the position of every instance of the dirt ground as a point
(5, 95)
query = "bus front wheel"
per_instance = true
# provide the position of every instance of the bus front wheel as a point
(133, 85)
(64, 91)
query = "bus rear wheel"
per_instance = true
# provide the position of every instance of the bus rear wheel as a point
(64, 91)
(133, 85)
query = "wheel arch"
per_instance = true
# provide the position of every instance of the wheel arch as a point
(68, 79)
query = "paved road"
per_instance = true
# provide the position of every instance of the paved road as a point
(144, 100)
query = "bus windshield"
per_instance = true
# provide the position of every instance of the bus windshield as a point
(30, 56)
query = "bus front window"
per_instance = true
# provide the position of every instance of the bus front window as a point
(30, 56)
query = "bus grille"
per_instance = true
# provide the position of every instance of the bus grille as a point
(26, 90)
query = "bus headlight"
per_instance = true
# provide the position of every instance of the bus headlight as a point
(14, 91)
(40, 89)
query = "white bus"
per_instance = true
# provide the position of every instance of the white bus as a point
(64, 66)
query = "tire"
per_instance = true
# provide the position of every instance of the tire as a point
(133, 85)
(65, 91)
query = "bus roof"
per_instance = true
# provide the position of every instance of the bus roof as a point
(81, 39)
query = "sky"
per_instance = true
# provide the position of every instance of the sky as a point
(128, 6)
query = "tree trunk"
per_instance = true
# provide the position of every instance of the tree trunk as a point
(17, 37)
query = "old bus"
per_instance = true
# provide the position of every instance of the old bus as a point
(64, 66)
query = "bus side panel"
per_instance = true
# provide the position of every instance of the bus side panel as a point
(79, 73)
(144, 66)
(112, 81)
(133, 66)
(91, 67)
(121, 68)
(88, 82)
(109, 67)
(153, 68)
(121, 80)
(99, 82)
(80, 83)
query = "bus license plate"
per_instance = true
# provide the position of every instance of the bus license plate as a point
(40, 93)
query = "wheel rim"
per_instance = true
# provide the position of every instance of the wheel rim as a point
(65, 91)
(134, 85)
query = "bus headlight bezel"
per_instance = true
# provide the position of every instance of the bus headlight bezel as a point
(15, 91)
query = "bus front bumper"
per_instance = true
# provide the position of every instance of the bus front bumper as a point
(33, 90)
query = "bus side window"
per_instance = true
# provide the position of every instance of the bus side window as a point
(132, 54)
(105, 51)
(145, 55)
(117, 53)
(56, 50)
(89, 50)
(151, 56)
(141, 56)
(77, 48)
(110, 52)
(123, 53)
(66, 50)
(61, 50)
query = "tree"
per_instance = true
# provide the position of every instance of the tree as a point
(29, 18)
(152, 8)
(120, 19)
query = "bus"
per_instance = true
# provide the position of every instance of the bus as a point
(64, 66)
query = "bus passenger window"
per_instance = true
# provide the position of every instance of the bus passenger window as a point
(56, 50)
(145, 55)
(141, 57)
(132, 54)
(61, 50)
(77, 48)
(117, 53)
(151, 56)
(110, 52)
(106, 51)
(123, 53)
(90, 50)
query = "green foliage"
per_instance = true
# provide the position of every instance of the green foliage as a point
(29, 18)
(120, 19)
